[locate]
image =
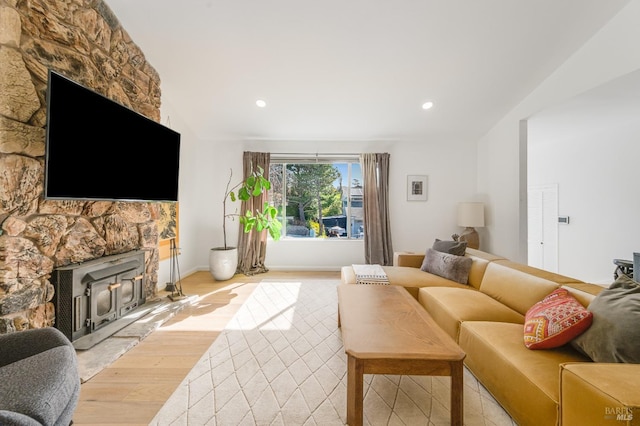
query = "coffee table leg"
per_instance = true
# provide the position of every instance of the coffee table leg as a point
(355, 372)
(457, 389)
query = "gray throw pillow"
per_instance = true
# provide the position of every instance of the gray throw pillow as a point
(614, 335)
(445, 265)
(452, 247)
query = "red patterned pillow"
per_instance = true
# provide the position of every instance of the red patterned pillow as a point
(555, 320)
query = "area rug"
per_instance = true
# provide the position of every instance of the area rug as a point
(280, 361)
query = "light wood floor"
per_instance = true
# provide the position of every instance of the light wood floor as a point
(133, 389)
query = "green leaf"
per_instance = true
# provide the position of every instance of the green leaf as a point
(268, 211)
(243, 194)
(233, 196)
(274, 230)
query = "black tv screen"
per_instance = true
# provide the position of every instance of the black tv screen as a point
(97, 149)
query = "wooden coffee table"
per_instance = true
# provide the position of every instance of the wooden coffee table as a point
(386, 331)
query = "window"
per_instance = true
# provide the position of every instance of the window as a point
(318, 197)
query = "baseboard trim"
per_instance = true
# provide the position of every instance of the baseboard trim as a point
(281, 268)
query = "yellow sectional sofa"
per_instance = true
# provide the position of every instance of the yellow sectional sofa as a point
(406, 272)
(486, 316)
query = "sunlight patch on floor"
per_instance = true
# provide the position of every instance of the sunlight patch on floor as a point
(276, 309)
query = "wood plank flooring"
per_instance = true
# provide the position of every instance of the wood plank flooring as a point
(132, 389)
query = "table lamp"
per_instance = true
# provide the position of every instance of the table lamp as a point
(470, 215)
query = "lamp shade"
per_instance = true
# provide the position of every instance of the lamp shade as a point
(471, 215)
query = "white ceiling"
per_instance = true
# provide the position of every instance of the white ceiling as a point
(609, 106)
(354, 69)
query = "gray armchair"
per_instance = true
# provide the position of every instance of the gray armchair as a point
(39, 381)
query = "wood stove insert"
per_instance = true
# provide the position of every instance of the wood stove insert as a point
(94, 299)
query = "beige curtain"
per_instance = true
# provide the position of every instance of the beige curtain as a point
(377, 228)
(252, 247)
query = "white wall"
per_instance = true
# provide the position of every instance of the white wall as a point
(449, 165)
(216, 160)
(190, 227)
(597, 134)
(451, 170)
(204, 172)
(610, 53)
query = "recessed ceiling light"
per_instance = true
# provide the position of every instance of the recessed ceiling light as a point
(260, 103)
(427, 105)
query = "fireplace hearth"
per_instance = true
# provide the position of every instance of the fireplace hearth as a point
(95, 299)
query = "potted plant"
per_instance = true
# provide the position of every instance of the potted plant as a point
(223, 260)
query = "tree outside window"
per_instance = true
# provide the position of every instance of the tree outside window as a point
(314, 199)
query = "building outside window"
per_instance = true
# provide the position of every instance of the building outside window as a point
(318, 197)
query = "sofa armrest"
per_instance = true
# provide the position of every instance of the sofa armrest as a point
(11, 418)
(404, 258)
(347, 275)
(27, 343)
(38, 378)
(599, 393)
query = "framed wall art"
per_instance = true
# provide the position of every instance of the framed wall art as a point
(416, 188)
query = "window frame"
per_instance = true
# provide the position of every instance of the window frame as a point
(348, 159)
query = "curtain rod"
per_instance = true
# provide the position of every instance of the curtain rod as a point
(316, 154)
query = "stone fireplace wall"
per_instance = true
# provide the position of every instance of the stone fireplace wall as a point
(84, 41)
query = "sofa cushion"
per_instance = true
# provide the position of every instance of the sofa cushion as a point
(451, 306)
(412, 279)
(403, 258)
(614, 334)
(524, 382)
(540, 273)
(452, 247)
(555, 321)
(606, 392)
(583, 292)
(514, 288)
(449, 266)
(479, 263)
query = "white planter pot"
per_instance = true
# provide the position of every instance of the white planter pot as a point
(223, 263)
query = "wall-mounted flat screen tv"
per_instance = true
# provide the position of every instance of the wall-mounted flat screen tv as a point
(97, 149)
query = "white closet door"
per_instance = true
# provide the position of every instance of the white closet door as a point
(543, 226)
